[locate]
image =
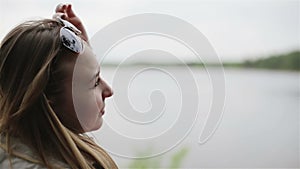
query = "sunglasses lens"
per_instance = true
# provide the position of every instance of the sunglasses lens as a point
(70, 40)
(69, 25)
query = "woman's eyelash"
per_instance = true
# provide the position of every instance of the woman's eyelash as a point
(97, 82)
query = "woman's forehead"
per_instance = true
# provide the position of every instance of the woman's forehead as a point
(88, 58)
(86, 67)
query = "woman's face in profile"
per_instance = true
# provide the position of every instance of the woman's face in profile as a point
(84, 92)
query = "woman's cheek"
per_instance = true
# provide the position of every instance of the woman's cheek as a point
(91, 105)
(99, 99)
(86, 108)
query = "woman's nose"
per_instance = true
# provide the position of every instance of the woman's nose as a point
(106, 91)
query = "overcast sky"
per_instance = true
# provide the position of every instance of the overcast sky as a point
(237, 29)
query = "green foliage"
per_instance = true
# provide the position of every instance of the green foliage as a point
(155, 163)
(178, 158)
(290, 61)
(145, 163)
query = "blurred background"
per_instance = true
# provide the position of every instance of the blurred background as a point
(258, 43)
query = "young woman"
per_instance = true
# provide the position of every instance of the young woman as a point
(42, 64)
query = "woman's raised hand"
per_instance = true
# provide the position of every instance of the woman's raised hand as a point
(65, 11)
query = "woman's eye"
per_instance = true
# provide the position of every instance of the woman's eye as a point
(97, 82)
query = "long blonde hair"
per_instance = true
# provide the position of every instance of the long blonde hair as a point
(27, 57)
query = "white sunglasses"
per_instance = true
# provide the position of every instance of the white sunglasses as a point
(69, 36)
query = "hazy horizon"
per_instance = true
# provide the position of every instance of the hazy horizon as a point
(238, 30)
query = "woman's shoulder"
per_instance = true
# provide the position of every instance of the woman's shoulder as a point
(18, 163)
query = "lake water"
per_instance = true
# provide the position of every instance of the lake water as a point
(259, 127)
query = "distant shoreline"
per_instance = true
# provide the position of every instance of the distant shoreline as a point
(289, 62)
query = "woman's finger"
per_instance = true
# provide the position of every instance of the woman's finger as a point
(59, 15)
(60, 8)
(70, 11)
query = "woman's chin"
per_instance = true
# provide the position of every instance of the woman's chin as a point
(97, 125)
